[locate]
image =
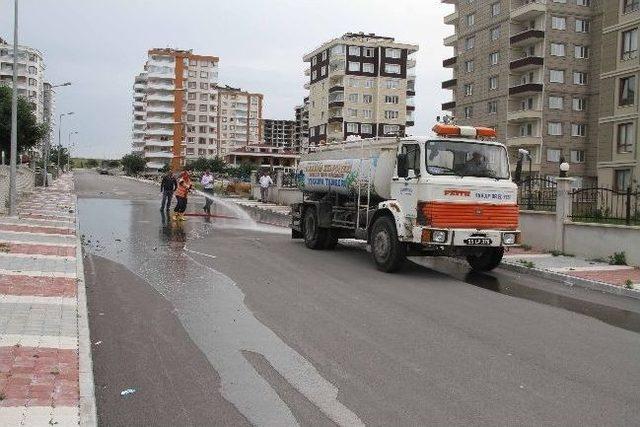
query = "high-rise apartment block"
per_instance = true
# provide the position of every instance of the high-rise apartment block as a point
(360, 84)
(531, 69)
(301, 132)
(180, 112)
(279, 133)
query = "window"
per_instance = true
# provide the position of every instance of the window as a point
(193, 85)
(352, 127)
(560, 1)
(581, 52)
(393, 84)
(367, 114)
(314, 75)
(191, 107)
(202, 108)
(558, 23)
(367, 99)
(626, 136)
(354, 50)
(392, 68)
(391, 99)
(582, 26)
(526, 129)
(629, 44)
(471, 19)
(492, 107)
(366, 128)
(553, 155)
(494, 58)
(577, 156)
(526, 104)
(324, 56)
(622, 179)
(390, 129)
(468, 112)
(494, 33)
(627, 91)
(314, 60)
(368, 52)
(495, 9)
(353, 82)
(556, 102)
(393, 53)
(368, 83)
(468, 66)
(556, 76)
(202, 119)
(391, 114)
(583, 3)
(352, 112)
(557, 49)
(468, 89)
(554, 128)
(354, 66)
(323, 71)
(204, 97)
(204, 74)
(631, 5)
(204, 86)
(493, 82)
(367, 68)
(579, 78)
(578, 129)
(579, 104)
(353, 97)
(469, 42)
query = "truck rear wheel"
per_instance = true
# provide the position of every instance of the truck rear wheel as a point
(314, 236)
(331, 239)
(388, 253)
(489, 259)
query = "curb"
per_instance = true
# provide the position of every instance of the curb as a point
(570, 281)
(87, 401)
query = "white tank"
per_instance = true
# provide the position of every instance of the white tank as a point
(342, 167)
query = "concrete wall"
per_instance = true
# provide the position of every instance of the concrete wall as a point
(602, 240)
(25, 184)
(538, 229)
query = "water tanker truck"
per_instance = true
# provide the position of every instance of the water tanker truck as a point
(450, 194)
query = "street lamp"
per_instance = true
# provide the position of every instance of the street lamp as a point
(47, 141)
(74, 132)
(564, 168)
(59, 133)
(13, 168)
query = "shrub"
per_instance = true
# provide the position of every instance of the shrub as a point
(618, 258)
(628, 284)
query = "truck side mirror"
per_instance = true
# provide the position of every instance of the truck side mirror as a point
(403, 172)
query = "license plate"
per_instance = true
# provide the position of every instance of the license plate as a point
(477, 241)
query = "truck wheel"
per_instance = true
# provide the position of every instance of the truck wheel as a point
(314, 236)
(331, 239)
(487, 260)
(388, 253)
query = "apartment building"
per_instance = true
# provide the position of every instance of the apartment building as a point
(360, 84)
(618, 146)
(530, 69)
(182, 113)
(301, 132)
(279, 133)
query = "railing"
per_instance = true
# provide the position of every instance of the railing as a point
(605, 205)
(538, 194)
(290, 180)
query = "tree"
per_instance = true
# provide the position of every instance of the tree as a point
(64, 155)
(91, 163)
(133, 164)
(242, 171)
(29, 131)
(201, 164)
(113, 163)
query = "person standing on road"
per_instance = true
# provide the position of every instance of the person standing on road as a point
(265, 183)
(167, 187)
(207, 187)
(184, 186)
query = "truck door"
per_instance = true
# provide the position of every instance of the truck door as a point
(403, 189)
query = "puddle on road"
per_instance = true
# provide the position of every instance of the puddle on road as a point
(209, 304)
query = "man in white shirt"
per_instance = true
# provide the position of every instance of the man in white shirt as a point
(207, 188)
(265, 182)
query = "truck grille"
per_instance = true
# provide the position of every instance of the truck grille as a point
(468, 215)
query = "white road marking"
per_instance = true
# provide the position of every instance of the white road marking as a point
(43, 341)
(30, 299)
(199, 253)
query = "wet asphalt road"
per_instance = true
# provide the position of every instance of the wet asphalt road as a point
(217, 323)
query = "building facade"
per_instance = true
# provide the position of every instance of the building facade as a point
(530, 69)
(301, 132)
(360, 84)
(180, 113)
(279, 133)
(618, 149)
(264, 156)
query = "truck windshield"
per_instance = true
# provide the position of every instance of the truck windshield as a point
(444, 157)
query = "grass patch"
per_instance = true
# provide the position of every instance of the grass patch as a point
(5, 248)
(628, 284)
(528, 264)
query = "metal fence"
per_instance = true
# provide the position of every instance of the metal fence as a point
(290, 180)
(538, 194)
(605, 205)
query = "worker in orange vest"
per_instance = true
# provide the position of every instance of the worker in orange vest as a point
(184, 186)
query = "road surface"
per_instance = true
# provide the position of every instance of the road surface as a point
(224, 322)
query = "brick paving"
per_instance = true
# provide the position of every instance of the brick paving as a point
(39, 311)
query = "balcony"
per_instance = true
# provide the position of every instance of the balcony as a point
(307, 85)
(529, 10)
(139, 86)
(337, 67)
(451, 19)
(411, 107)
(336, 119)
(161, 97)
(410, 123)
(160, 120)
(157, 143)
(451, 40)
(160, 75)
(160, 86)
(524, 115)
(336, 104)
(307, 72)
(449, 1)
(448, 106)
(138, 104)
(411, 63)
(525, 89)
(159, 132)
(447, 84)
(411, 92)
(524, 141)
(158, 155)
(160, 109)
(336, 89)
(526, 37)
(450, 62)
(527, 63)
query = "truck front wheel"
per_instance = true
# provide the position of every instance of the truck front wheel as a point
(314, 236)
(489, 259)
(388, 253)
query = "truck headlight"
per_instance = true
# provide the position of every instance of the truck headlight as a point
(438, 236)
(509, 238)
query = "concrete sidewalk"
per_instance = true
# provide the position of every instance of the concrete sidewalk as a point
(46, 374)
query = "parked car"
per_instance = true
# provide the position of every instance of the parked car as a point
(103, 171)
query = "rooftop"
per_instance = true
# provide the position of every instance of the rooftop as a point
(361, 39)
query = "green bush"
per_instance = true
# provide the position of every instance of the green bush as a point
(618, 258)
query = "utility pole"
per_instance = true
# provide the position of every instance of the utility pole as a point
(59, 134)
(72, 132)
(13, 196)
(47, 140)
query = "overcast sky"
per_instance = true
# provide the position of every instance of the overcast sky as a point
(100, 45)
